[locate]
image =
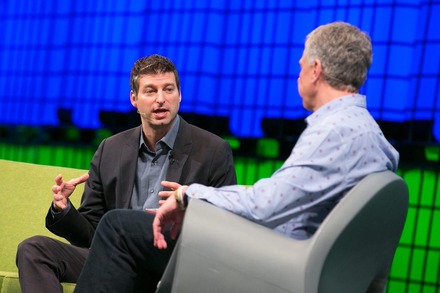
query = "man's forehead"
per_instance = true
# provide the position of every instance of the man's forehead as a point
(166, 78)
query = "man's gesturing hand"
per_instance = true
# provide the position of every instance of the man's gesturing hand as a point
(164, 194)
(169, 212)
(62, 190)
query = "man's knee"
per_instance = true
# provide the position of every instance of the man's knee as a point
(117, 218)
(32, 248)
(110, 218)
(33, 244)
(123, 221)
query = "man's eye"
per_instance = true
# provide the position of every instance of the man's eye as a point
(149, 92)
(169, 90)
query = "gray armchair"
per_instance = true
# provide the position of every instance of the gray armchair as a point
(351, 252)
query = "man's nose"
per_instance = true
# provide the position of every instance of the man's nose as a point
(160, 97)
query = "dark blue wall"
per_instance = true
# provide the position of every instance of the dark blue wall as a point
(236, 58)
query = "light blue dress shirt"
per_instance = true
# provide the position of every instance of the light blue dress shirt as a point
(151, 170)
(341, 144)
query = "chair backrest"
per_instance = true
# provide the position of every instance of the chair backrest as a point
(354, 247)
(25, 198)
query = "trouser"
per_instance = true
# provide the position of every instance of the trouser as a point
(44, 262)
(122, 257)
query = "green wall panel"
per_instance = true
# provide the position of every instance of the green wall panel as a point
(416, 265)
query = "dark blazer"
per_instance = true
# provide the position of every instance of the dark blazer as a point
(198, 157)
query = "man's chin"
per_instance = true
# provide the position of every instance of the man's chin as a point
(160, 122)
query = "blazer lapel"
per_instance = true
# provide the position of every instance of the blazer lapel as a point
(127, 172)
(181, 150)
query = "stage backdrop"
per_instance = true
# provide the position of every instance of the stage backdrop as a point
(63, 63)
(237, 59)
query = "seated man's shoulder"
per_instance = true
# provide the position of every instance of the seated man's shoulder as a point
(126, 134)
(200, 133)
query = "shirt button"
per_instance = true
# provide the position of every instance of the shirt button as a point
(152, 190)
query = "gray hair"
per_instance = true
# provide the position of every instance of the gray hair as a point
(345, 53)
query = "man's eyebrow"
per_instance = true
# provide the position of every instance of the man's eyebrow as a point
(154, 85)
(148, 85)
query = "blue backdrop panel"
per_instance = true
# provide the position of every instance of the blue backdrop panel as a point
(236, 58)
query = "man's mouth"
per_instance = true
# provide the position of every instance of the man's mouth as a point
(160, 112)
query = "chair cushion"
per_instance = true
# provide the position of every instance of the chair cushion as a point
(25, 197)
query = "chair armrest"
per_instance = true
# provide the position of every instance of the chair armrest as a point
(227, 253)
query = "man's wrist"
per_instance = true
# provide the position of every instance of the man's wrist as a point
(55, 209)
(180, 198)
(185, 200)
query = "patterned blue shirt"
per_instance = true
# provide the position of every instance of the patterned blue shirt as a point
(341, 144)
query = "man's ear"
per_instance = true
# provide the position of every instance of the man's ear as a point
(133, 99)
(317, 69)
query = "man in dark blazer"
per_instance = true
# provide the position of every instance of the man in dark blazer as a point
(126, 173)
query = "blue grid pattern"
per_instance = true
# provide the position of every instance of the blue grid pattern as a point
(236, 58)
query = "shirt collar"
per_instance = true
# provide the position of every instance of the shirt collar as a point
(169, 138)
(329, 108)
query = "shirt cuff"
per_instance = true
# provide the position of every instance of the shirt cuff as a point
(59, 214)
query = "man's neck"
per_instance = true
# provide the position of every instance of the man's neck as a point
(328, 94)
(153, 135)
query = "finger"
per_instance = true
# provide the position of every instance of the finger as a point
(175, 229)
(151, 211)
(79, 180)
(60, 205)
(59, 197)
(159, 239)
(170, 185)
(160, 243)
(59, 179)
(164, 193)
(55, 188)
